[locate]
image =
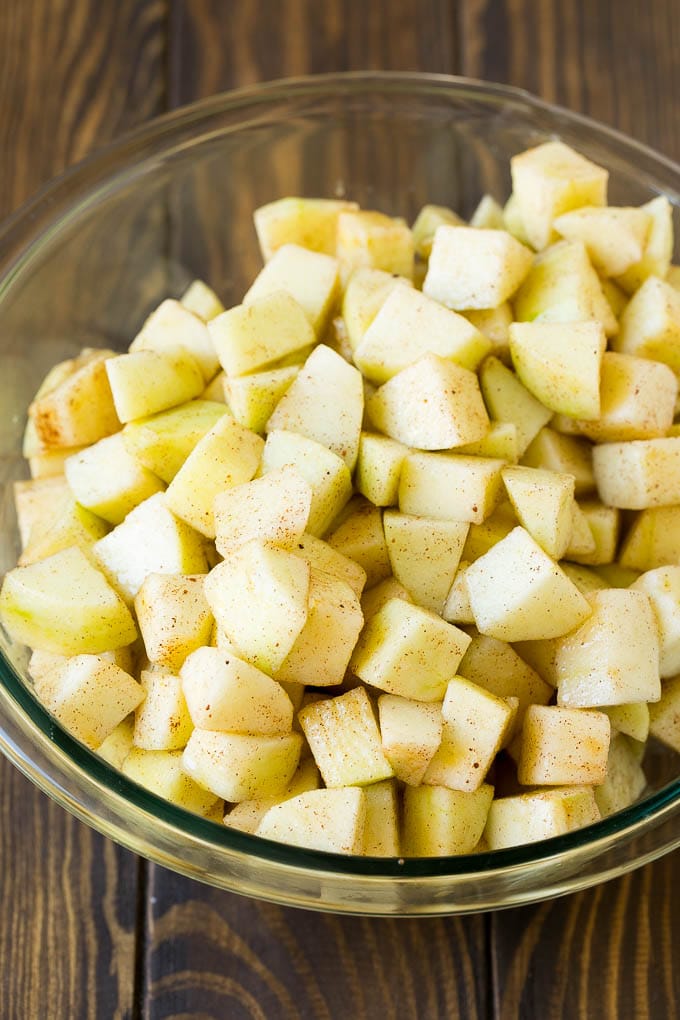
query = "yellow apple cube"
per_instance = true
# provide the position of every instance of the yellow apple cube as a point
(543, 502)
(108, 481)
(308, 276)
(251, 337)
(145, 382)
(411, 732)
(563, 747)
(79, 410)
(162, 442)
(175, 329)
(471, 268)
(424, 554)
(174, 617)
(378, 468)
(309, 222)
(274, 508)
(450, 487)
(240, 766)
(508, 400)
(344, 738)
(202, 300)
(439, 822)
(367, 238)
(639, 474)
(161, 772)
(252, 398)
(162, 721)
(530, 817)
(328, 820)
(615, 237)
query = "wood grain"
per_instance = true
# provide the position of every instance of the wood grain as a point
(72, 76)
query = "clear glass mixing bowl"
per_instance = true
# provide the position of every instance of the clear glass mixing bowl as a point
(90, 256)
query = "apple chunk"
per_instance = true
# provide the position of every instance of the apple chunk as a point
(471, 268)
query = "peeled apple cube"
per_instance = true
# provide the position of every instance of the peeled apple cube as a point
(426, 223)
(274, 508)
(366, 291)
(345, 740)
(549, 180)
(259, 595)
(411, 732)
(450, 487)
(108, 481)
(560, 364)
(251, 337)
(664, 715)
(90, 697)
(252, 398)
(518, 593)
(508, 400)
(330, 820)
(530, 817)
(650, 324)
(161, 772)
(62, 604)
(238, 766)
(325, 402)
(174, 617)
(79, 410)
(544, 504)
(202, 300)
(163, 441)
(310, 222)
(326, 473)
(381, 827)
(658, 251)
(322, 650)
(145, 382)
(439, 822)
(227, 455)
(310, 277)
(662, 587)
(247, 814)
(625, 778)
(324, 557)
(613, 657)
(563, 747)
(614, 237)
(162, 721)
(424, 554)
(361, 537)
(406, 650)
(496, 667)
(570, 455)
(174, 328)
(410, 325)
(151, 540)
(378, 468)
(368, 238)
(639, 474)
(471, 268)
(431, 405)
(70, 524)
(224, 693)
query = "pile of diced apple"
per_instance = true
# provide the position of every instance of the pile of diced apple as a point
(384, 560)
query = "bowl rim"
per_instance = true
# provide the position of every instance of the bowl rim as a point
(28, 721)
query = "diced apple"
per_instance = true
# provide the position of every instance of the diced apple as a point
(274, 508)
(328, 820)
(325, 471)
(163, 441)
(481, 537)
(639, 474)
(375, 598)
(664, 715)
(410, 325)
(656, 257)
(406, 650)
(310, 222)
(240, 766)
(146, 382)
(439, 822)
(252, 398)
(426, 223)
(345, 740)
(476, 724)
(653, 539)
(118, 744)
(90, 697)
(108, 481)
(175, 329)
(563, 747)
(360, 537)
(604, 523)
(471, 268)
(500, 442)
(381, 827)
(507, 399)
(530, 817)
(411, 732)
(367, 238)
(70, 524)
(543, 502)
(615, 237)
(569, 455)
(560, 364)
(174, 617)
(247, 814)
(62, 604)
(450, 487)
(202, 300)
(162, 721)
(662, 587)
(321, 652)
(552, 179)
(424, 554)
(322, 556)
(518, 593)
(227, 455)
(251, 337)
(631, 719)
(259, 595)
(325, 402)
(431, 405)
(308, 276)
(625, 779)
(78, 410)
(613, 657)
(650, 324)
(457, 604)
(582, 541)
(488, 214)
(365, 293)
(496, 667)
(162, 773)
(378, 468)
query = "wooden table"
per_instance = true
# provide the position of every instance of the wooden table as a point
(89, 930)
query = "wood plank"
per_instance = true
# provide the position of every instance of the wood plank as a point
(211, 953)
(605, 952)
(215, 954)
(73, 74)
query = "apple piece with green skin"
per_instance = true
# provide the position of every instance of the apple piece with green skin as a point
(560, 364)
(65, 605)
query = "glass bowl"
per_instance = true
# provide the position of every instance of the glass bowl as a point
(91, 255)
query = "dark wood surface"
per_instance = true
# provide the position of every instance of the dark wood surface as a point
(88, 930)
